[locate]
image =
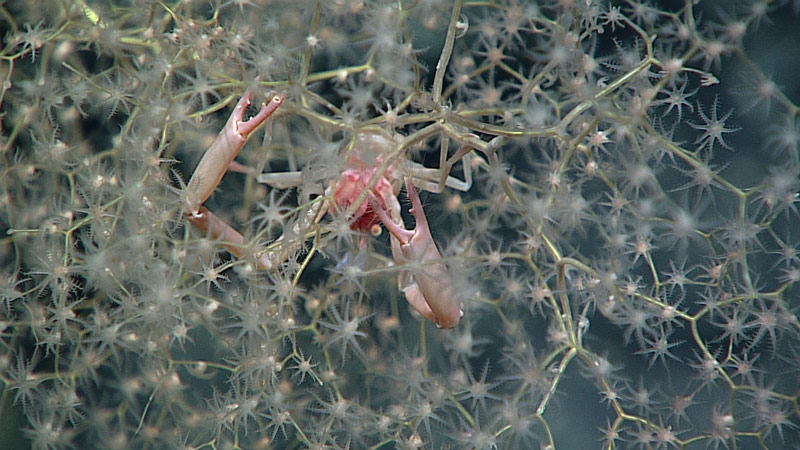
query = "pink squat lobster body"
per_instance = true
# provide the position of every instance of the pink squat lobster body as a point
(350, 185)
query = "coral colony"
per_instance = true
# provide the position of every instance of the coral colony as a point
(508, 224)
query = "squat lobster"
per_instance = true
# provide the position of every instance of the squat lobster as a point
(428, 288)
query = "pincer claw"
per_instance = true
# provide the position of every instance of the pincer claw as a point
(432, 292)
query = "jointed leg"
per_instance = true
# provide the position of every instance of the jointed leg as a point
(212, 167)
